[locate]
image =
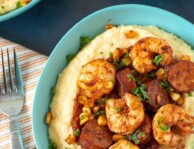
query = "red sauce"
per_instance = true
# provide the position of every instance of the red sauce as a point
(76, 112)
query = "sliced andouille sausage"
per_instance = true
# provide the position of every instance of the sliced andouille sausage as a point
(94, 136)
(181, 76)
(145, 131)
(157, 96)
(125, 81)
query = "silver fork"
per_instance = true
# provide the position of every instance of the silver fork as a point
(11, 100)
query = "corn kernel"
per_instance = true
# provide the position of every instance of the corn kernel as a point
(180, 101)
(95, 109)
(175, 96)
(48, 117)
(83, 118)
(87, 111)
(102, 120)
(89, 103)
(117, 137)
(159, 72)
(131, 34)
(127, 61)
(116, 54)
(185, 57)
(82, 99)
(108, 26)
(70, 139)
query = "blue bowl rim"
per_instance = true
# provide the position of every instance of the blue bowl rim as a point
(139, 6)
(19, 11)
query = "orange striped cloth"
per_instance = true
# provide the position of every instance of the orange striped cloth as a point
(31, 64)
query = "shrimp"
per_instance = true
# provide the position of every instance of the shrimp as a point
(123, 144)
(170, 124)
(145, 49)
(96, 79)
(124, 115)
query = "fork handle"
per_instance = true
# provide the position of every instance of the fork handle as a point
(15, 138)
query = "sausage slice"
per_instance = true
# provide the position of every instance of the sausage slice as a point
(125, 81)
(157, 96)
(181, 76)
(94, 136)
(146, 131)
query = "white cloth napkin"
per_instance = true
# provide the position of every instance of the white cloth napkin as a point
(31, 64)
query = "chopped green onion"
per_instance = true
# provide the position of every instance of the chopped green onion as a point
(84, 40)
(190, 94)
(129, 77)
(99, 102)
(77, 132)
(98, 113)
(106, 98)
(52, 145)
(162, 127)
(101, 53)
(18, 4)
(118, 110)
(157, 59)
(165, 84)
(140, 92)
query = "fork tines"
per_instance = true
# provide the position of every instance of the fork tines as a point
(8, 82)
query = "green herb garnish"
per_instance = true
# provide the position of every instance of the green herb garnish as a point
(2, 7)
(120, 65)
(84, 40)
(110, 54)
(125, 137)
(190, 94)
(140, 92)
(99, 102)
(151, 74)
(157, 59)
(106, 98)
(77, 132)
(118, 110)
(133, 137)
(70, 57)
(98, 113)
(52, 92)
(162, 127)
(18, 4)
(129, 77)
(52, 145)
(165, 84)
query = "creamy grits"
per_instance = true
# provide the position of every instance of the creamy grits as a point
(9, 5)
(66, 88)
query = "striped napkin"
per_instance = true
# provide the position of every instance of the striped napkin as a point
(31, 64)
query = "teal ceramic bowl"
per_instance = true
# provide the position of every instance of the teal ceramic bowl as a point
(91, 26)
(19, 11)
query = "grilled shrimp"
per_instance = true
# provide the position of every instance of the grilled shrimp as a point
(124, 115)
(96, 79)
(145, 49)
(123, 144)
(170, 124)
